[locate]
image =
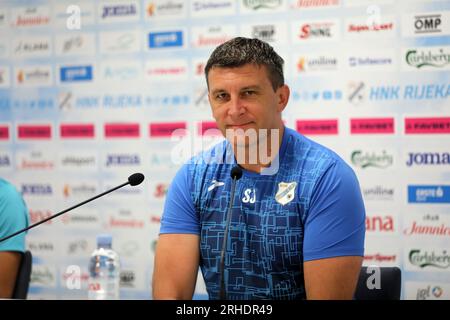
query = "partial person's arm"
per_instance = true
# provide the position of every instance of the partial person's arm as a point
(334, 236)
(9, 266)
(332, 278)
(176, 266)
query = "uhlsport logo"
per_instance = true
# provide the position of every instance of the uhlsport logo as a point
(429, 194)
(429, 259)
(365, 159)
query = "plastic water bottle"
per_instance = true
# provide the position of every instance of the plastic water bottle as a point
(104, 271)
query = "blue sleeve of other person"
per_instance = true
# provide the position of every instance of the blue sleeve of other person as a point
(335, 225)
(13, 217)
(179, 214)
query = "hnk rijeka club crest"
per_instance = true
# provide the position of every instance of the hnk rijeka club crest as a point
(286, 192)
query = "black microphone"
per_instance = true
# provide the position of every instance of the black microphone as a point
(133, 180)
(236, 174)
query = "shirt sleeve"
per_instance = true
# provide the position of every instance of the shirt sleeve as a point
(179, 215)
(13, 217)
(335, 224)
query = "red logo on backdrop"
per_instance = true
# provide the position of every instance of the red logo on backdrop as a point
(427, 125)
(166, 129)
(26, 131)
(39, 215)
(161, 190)
(77, 130)
(4, 133)
(318, 127)
(372, 125)
(378, 257)
(380, 223)
(208, 128)
(122, 130)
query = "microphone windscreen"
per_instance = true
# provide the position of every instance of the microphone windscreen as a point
(236, 173)
(136, 178)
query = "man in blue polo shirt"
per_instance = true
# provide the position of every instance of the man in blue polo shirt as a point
(297, 223)
(13, 217)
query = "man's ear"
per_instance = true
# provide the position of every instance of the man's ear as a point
(283, 94)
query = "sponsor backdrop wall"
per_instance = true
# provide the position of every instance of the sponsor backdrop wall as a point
(91, 92)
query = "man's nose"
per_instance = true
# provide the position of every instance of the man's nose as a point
(236, 107)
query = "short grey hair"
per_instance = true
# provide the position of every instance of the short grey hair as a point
(240, 51)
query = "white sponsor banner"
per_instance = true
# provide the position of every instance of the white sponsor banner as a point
(5, 77)
(275, 33)
(166, 70)
(370, 26)
(315, 31)
(262, 6)
(72, 15)
(75, 44)
(209, 8)
(420, 24)
(33, 76)
(431, 290)
(212, 36)
(118, 11)
(426, 58)
(163, 9)
(116, 42)
(31, 47)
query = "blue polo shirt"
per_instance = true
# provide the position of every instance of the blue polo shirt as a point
(13, 217)
(309, 208)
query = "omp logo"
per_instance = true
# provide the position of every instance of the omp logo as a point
(425, 258)
(431, 57)
(365, 160)
(427, 23)
(428, 158)
(264, 32)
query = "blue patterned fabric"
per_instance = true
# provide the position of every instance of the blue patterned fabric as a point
(319, 214)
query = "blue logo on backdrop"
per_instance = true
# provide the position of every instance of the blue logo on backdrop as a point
(76, 73)
(428, 194)
(165, 39)
(36, 189)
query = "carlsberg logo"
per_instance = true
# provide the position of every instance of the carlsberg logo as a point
(371, 159)
(258, 4)
(420, 59)
(426, 259)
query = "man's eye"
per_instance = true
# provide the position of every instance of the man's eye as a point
(249, 92)
(221, 96)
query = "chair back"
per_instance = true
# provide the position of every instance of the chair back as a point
(379, 283)
(23, 276)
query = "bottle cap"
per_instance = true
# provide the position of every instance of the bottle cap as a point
(104, 240)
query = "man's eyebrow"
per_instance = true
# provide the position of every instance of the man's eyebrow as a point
(216, 91)
(254, 87)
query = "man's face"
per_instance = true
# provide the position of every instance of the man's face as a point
(243, 100)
